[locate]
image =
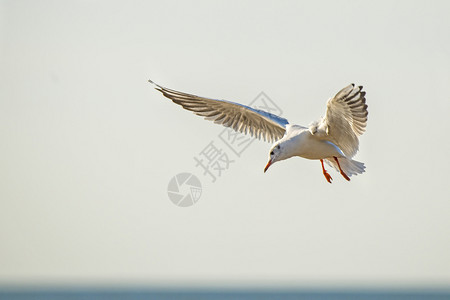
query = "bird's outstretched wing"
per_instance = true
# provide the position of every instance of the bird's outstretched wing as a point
(345, 119)
(260, 124)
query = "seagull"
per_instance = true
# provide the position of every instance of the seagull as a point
(333, 138)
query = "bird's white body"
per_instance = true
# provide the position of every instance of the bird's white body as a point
(333, 138)
(300, 142)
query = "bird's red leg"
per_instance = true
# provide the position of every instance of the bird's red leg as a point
(325, 173)
(342, 172)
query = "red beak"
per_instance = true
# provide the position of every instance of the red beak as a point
(268, 165)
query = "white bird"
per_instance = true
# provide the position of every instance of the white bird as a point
(333, 138)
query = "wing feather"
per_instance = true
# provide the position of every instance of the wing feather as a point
(241, 118)
(345, 119)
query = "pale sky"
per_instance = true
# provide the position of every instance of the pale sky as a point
(88, 147)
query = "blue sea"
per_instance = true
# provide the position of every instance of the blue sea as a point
(90, 294)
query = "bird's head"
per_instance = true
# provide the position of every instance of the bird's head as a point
(276, 153)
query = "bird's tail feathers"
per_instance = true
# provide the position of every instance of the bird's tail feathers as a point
(349, 166)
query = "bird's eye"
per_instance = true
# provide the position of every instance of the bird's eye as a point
(271, 153)
(278, 146)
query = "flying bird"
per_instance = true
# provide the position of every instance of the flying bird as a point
(333, 138)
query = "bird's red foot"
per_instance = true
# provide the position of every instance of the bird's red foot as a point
(345, 176)
(327, 176)
(325, 173)
(340, 170)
